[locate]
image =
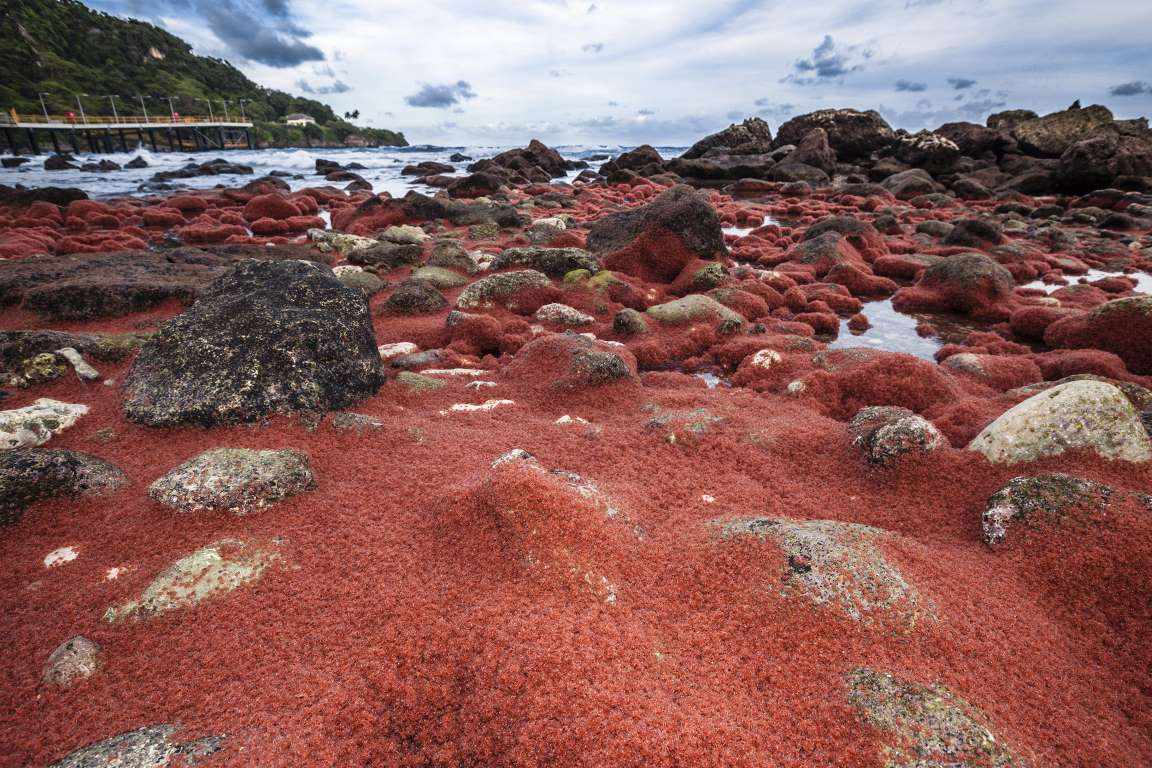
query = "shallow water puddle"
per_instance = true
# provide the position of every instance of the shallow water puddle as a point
(890, 331)
(1143, 280)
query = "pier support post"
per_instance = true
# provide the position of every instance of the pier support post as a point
(55, 141)
(32, 142)
(248, 138)
(8, 140)
(75, 141)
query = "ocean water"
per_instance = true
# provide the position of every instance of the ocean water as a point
(382, 167)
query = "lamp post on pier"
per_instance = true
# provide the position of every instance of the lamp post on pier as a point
(112, 100)
(80, 104)
(143, 108)
(211, 115)
(227, 117)
(44, 106)
(171, 110)
(242, 115)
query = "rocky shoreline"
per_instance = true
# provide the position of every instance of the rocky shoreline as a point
(530, 471)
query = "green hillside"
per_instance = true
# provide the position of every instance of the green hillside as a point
(62, 47)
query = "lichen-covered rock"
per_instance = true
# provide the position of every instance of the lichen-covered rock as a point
(41, 369)
(414, 297)
(967, 283)
(268, 337)
(838, 564)
(358, 279)
(403, 234)
(1051, 135)
(416, 382)
(753, 136)
(31, 474)
(73, 660)
(1089, 415)
(926, 726)
(696, 307)
(554, 262)
(501, 288)
(562, 314)
(439, 277)
(234, 479)
(209, 572)
(152, 746)
(340, 242)
(35, 424)
(885, 433)
(1048, 498)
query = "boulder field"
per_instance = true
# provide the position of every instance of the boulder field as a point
(530, 472)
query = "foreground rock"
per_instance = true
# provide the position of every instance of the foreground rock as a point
(234, 479)
(212, 571)
(886, 433)
(926, 726)
(152, 746)
(35, 424)
(268, 337)
(1041, 499)
(1088, 415)
(32, 474)
(853, 134)
(73, 660)
(1122, 326)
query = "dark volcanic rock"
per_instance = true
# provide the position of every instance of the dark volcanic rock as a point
(1009, 118)
(523, 162)
(61, 196)
(814, 150)
(415, 297)
(426, 168)
(753, 136)
(267, 337)
(150, 747)
(853, 135)
(59, 163)
(1099, 160)
(644, 160)
(657, 240)
(31, 474)
(87, 286)
(1051, 135)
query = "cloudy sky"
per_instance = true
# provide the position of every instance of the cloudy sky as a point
(670, 71)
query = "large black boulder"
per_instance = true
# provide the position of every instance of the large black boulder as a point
(266, 337)
(853, 134)
(32, 474)
(751, 137)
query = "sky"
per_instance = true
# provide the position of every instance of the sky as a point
(668, 72)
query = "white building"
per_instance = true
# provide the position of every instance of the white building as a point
(299, 119)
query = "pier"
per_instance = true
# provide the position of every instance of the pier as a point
(28, 134)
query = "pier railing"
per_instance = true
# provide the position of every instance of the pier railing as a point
(15, 119)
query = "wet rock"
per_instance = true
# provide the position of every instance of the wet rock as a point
(629, 322)
(236, 480)
(60, 163)
(926, 726)
(501, 289)
(73, 660)
(930, 151)
(1102, 158)
(554, 262)
(266, 338)
(838, 564)
(815, 151)
(536, 162)
(414, 297)
(1087, 415)
(152, 746)
(28, 475)
(386, 256)
(790, 172)
(753, 136)
(136, 163)
(853, 135)
(1121, 326)
(1041, 499)
(656, 241)
(1051, 135)
(210, 572)
(14, 162)
(35, 424)
(885, 433)
(20, 195)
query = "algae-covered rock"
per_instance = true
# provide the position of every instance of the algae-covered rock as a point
(838, 564)
(73, 660)
(234, 479)
(696, 307)
(209, 572)
(1089, 415)
(554, 262)
(1048, 498)
(501, 289)
(152, 746)
(562, 314)
(926, 726)
(35, 424)
(886, 432)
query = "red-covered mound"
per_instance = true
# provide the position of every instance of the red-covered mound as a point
(1122, 326)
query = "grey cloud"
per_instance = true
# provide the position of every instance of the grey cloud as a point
(337, 86)
(909, 86)
(276, 44)
(828, 62)
(592, 47)
(645, 112)
(960, 83)
(1134, 88)
(441, 96)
